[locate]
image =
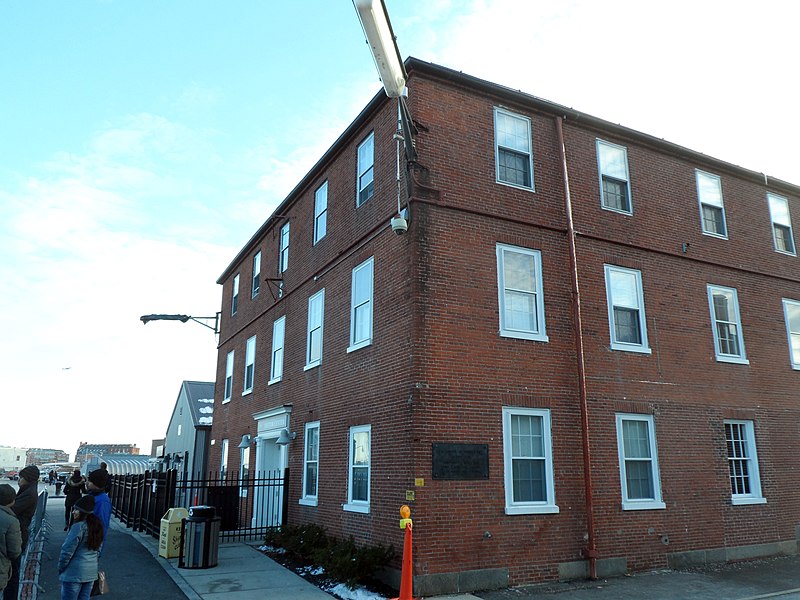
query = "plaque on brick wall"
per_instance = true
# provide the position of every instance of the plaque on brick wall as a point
(460, 461)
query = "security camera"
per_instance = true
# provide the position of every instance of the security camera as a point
(399, 225)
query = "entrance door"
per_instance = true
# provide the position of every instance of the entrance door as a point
(268, 500)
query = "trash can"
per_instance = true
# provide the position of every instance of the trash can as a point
(200, 538)
(169, 539)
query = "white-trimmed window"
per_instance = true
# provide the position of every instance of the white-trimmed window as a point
(249, 365)
(311, 465)
(358, 487)
(235, 295)
(615, 189)
(316, 308)
(244, 471)
(521, 298)
(228, 377)
(256, 287)
(791, 310)
(512, 149)
(638, 462)
(278, 337)
(740, 442)
(320, 212)
(782, 234)
(223, 459)
(366, 173)
(283, 254)
(528, 461)
(626, 318)
(361, 306)
(712, 208)
(726, 324)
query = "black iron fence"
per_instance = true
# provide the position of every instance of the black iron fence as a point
(248, 508)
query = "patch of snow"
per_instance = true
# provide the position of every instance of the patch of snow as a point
(359, 593)
(206, 410)
(205, 420)
(211, 400)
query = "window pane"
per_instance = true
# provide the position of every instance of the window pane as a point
(512, 132)
(639, 479)
(709, 189)
(615, 193)
(783, 238)
(527, 438)
(613, 162)
(712, 220)
(779, 210)
(311, 479)
(728, 336)
(636, 440)
(360, 484)
(624, 289)
(722, 303)
(361, 448)
(529, 480)
(514, 167)
(626, 326)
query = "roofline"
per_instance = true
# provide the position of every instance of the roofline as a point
(570, 114)
(377, 101)
(457, 77)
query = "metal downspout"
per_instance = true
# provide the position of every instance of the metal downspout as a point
(591, 547)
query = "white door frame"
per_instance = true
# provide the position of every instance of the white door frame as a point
(270, 457)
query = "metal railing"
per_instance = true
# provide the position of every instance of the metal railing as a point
(248, 508)
(31, 559)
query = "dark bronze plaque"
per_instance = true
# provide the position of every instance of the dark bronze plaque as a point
(460, 461)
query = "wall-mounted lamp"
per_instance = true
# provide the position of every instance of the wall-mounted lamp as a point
(245, 443)
(285, 437)
(177, 459)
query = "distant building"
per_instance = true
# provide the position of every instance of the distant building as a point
(119, 464)
(12, 459)
(157, 447)
(39, 456)
(86, 450)
(188, 433)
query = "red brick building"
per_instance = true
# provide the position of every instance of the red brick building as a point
(582, 358)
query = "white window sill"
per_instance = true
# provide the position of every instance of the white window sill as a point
(514, 185)
(643, 505)
(247, 392)
(742, 500)
(521, 335)
(786, 253)
(545, 509)
(312, 365)
(630, 348)
(357, 508)
(796, 367)
(276, 380)
(360, 345)
(736, 360)
(627, 213)
(226, 400)
(308, 501)
(715, 235)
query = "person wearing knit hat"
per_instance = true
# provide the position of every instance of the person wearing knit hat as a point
(80, 552)
(102, 503)
(24, 508)
(10, 537)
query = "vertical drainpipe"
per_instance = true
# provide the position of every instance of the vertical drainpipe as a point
(591, 547)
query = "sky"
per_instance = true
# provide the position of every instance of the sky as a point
(143, 143)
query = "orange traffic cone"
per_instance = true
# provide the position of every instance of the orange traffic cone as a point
(407, 572)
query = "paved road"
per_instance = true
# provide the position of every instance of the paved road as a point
(138, 576)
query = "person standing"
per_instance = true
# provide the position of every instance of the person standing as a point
(104, 469)
(78, 561)
(102, 504)
(10, 536)
(73, 490)
(24, 508)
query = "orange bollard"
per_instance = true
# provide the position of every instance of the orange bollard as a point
(407, 572)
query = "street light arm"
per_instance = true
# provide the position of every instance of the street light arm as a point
(183, 319)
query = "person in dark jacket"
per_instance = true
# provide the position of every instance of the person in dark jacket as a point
(74, 489)
(24, 508)
(102, 503)
(10, 537)
(104, 469)
(77, 562)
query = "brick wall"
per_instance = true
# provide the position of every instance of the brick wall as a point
(437, 370)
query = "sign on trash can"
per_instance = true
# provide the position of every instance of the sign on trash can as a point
(169, 540)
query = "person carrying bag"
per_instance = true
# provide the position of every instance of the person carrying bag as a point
(77, 563)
